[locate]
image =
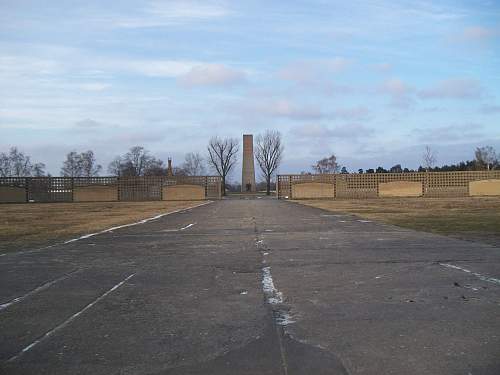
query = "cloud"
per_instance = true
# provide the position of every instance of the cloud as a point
(453, 89)
(450, 133)
(88, 123)
(383, 67)
(318, 131)
(478, 34)
(95, 86)
(288, 109)
(150, 68)
(490, 109)
(172, 12)
(354, 113)
(12, 66)
(311, 71)
(401, 94)
(212, 75)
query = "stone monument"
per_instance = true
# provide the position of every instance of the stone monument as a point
(248, 170)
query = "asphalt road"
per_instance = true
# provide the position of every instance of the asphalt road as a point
(252, 287)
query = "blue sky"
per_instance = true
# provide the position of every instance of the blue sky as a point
(371, 81)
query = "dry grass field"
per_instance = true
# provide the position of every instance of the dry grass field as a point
(476, 219)
(42, 223)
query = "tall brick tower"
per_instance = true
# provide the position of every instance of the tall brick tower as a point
(248, 170)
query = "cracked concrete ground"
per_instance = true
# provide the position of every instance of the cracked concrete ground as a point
(342, 296)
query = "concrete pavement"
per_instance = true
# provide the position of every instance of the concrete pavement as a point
(254, 286)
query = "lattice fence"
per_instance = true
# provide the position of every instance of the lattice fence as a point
(79, 189)
(352, 186)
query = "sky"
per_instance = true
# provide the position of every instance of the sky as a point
(373, 82)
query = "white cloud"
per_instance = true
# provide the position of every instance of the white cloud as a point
(288, 109)
(12, 66)
(490, 109)
(401, 93)
(354, 113)
(88, 123)
(311, 71)
(150, 68)
(319, 131)
(383, 67)
(165, 13)
(450, 133)
(478, 33)
(95, 86)
(212, 75)
(453, 89)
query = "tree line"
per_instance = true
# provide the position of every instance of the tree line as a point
(222, 155)
(485, 158)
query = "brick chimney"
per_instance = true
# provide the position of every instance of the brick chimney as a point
(170, 171)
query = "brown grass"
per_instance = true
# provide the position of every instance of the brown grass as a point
(467, 218)
(42, 223)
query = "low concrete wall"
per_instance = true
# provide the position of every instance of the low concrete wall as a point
(312, 190)
(183, 193)
(12, 194)
(400, 189)
(95, 193)
(484, 187)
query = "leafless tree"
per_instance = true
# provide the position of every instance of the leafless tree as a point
(136, 162)
(38, 170)
(80, 165)
(222, 155)
(269, 152)
(17, 164)
(429, 158)
(486, 157)
(72, 166)
(90, 168)
(194, 164)
(327, 165)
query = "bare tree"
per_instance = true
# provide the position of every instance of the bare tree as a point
(137, 158)
(90, 168)
(269, 152)
(115, 166)
(193, 165)
(429, 158)
(486, 157)
(222, 157)
(38, 170)
(327, 165)
(136, 162)
(72, 166)
(17, 164)
(155, 167)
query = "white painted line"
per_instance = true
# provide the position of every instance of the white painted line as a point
(108, 230)
(364, 221)
(187, 226)
(478, 275)
(36, 290)
(69, 320)
(180, 229)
